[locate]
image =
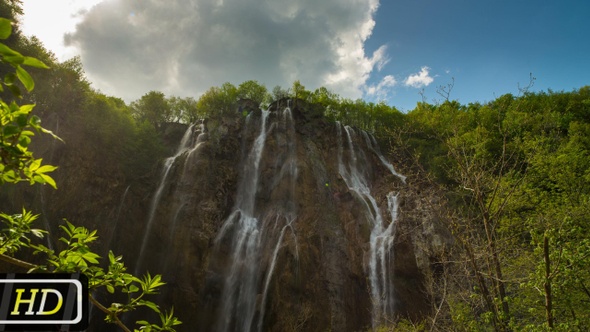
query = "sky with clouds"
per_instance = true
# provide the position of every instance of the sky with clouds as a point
(399, 51)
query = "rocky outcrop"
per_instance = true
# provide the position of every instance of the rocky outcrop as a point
(313, 250)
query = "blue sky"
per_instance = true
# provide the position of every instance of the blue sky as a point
(489, 47)
(377, 50)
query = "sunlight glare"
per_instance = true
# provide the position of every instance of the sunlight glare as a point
(50, 20)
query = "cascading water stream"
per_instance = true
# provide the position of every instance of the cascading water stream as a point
(116, 223)
(288, 170)
(354, 172)
(168, 163)
(373, 146)
(271, 268)
(239, 295)
(190, 151)
(121, 205)
(253, 233)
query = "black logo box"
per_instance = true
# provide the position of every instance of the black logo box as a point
(43, 302)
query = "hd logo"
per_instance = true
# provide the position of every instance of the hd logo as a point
(48, 302)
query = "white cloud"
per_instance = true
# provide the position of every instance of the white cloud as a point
(380, 58)
(183, 47)
(382, 89)
(64, 14)
(420, 79)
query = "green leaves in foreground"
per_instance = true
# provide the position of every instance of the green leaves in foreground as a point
(78, 257)
(16, 60)
(17, 164)
(17, 124)
(15, 231)
(5, 28)
(168, 322)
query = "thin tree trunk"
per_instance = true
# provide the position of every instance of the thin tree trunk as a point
(547, 284)
(482, 284)
(498, 281)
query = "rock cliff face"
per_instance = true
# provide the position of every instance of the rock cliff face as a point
(271, 220)
(281, 221)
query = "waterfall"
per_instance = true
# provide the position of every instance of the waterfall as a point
(168, 163)
(117, 217)
(373, 146)
(253, 232)
(354, 172)
(272, 268)
(382, 240)
(239, 294)
(121, 205)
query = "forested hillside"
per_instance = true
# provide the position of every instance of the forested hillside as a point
(512, 176)
(515, 174)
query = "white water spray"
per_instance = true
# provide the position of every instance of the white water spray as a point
(168, 163)
(253, 233)
(354, 171)
(239, 294)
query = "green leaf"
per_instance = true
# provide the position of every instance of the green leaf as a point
(49, 180)
(33, 62)
(6, 51)
(10, 176)
(14, 59)
(9, 131)
(150, 305)
(27, 133)
(9, 78)
(22, 120)
(35, 164)
(91, 257)
(46, 169)
(25, 78)
(24, 141)
(5, 28)
(110, 288)
(26, 109)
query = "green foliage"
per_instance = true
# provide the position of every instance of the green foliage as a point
(16, 121)
(16, 230)
(152, 107)
(401, 326)
(11, 9)
(252, 90)
(279, 93)
(78, 257)
(184, 110)
(17, 161)
(298, 91)
(17, 61)
(17, 164)
(218, 100)
(516, 176)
